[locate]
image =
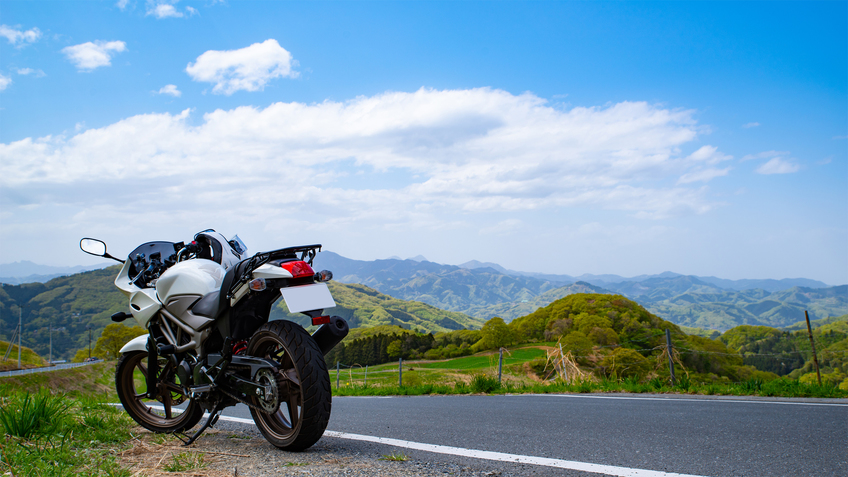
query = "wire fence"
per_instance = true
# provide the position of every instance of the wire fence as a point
(354, 373)
(44, 369)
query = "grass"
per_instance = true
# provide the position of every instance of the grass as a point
(184, 461)
(518, 356)
(85, 381)
(395, 457)
(478, 374)
(54, 435)
(775, 388)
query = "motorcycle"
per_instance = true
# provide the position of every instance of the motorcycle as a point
(210, 344)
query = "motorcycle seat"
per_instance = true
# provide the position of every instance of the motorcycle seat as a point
(214, 303)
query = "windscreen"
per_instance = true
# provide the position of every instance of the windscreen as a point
(141, 255)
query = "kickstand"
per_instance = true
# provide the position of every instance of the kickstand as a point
(213, 418)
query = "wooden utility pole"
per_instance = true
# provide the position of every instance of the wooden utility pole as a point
(812, 345)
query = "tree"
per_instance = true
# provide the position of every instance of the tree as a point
(114, 337)
(81, 355)
(395, 349)
(496, 334)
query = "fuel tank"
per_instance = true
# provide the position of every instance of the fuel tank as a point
(189, 278)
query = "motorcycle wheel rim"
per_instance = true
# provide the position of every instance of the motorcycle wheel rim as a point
(285, 423)
(169, 394)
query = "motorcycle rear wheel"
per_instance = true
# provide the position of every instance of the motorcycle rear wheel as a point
(303, 386)
(131, 384)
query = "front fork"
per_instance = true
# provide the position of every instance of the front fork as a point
(152, 367)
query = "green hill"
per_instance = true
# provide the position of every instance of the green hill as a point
(364, 307)
(789, 352)
(70, 304)
(606, 331)
(29, 358)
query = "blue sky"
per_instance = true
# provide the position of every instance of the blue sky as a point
(704, 138)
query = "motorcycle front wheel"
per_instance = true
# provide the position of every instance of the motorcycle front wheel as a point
(303, 385)
(160, 414)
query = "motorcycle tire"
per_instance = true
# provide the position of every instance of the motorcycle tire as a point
(161, 414)
(303, 385)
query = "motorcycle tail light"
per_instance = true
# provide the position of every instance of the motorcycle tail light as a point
(298, 269)
(257, 284)
(321, 320)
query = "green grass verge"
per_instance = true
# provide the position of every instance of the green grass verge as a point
(95, 380)
(486, 384)
(55, 435)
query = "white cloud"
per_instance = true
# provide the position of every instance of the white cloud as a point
(16, 36)
(247, 69)
(5, 81)
(192, 11)
(708, 155)
(765, 155)
(750, 125)
(164, 10)
(170, 89)
(778, 166)
(122, 4)
(403, 161)
(88, 56)
(703, 175)
(30, 71)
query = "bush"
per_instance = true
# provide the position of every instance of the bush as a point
(484, 384)
(626, 363)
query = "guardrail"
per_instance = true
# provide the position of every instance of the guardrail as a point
(46, 368)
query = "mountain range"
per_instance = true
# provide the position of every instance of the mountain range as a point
(485, 290)
(25, 271)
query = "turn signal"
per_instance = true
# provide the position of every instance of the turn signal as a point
(324, 276)
(257, 284)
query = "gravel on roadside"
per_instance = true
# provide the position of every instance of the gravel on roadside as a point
(245, 453)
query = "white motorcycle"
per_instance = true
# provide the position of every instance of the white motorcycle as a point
(210, 344)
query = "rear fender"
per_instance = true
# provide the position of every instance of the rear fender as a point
(136, 344)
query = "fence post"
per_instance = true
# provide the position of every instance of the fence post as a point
(670, 359)
(338, 363)
(500, 365)
(400, 372)
(813, 345)
(366, 375)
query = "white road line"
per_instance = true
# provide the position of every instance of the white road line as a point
(502, 457)
(687, 399)
(487, 455)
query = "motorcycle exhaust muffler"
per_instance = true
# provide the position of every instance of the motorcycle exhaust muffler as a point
(328, 335)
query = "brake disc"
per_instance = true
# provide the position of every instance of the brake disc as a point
(270, 401)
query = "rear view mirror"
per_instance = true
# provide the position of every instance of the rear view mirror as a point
(93, 247)
(96, 247)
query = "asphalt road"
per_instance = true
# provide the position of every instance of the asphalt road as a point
(689, 435)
